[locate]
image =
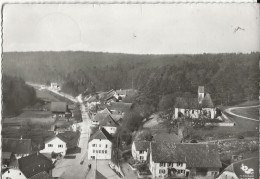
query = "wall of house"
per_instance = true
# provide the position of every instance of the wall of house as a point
(110, 130)
(18, 156)
(211, 112)
(13, 174)
(55, 148)
(136, 154)
(101, 145)
(165, 168)
(193, 113)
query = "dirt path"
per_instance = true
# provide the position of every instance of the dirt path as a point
(229, 111)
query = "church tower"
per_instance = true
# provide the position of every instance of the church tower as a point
(201, 93)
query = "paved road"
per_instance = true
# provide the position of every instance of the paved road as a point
(76, 168)
(229, 111)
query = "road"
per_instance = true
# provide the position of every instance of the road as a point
(229, 111)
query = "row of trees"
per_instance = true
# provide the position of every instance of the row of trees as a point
(16, 95)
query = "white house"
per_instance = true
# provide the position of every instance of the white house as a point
(109, 124)
(184, 160)
(140, 150)
(194, 107)
(32, 166)
(55, 86)
(247, 168)
(56, 144)
(100, 145)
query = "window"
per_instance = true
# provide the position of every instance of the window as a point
(102, 151)
(179, 164)
(93, 151)
(162, 164)
(106, 145)
(50, 145)
(20, 173)
(93, 145)
(105, 151)
(170, 164)
(141, 151)
(141, 158)
(99, 145)
(60, 146)
(162, 171)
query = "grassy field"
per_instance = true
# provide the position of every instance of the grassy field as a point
(248, 112)
(45, 94)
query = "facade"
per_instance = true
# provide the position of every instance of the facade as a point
(60, 109)
(29, 167)
(184, 160)
(247, 168)
(18, 147)
(100, 145)
(55, 144)
(140, 150)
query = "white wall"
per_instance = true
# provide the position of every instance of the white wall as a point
(55, 148)
(100, 146)
(110, 130)
(14, 174)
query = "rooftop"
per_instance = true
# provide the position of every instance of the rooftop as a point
(187, 103)
(207, 102)
(108, 121)
(141, 145)
(194, 155)
(167, 137)
(100, 134)
(120, 106)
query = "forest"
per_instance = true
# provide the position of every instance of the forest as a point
(229, 78)
(16, 95)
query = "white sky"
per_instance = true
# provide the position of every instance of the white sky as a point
(138, 29)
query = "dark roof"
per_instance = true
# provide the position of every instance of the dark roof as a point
(187, 103)
(34, 164)
(207, 102)
(167, 137)
(99, 175)
(69, 137)
(105, 111)
(201, 89)
(99, 117)
(141, 145)
(120, 106)
(58, 107)
(100, 134)
(195, 155)
(6, 155)
(41, 175)
(108, 121)
(117, 117)
(252, 163)
(17, 146)
(92, 99)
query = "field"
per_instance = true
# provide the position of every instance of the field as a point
(248, 112)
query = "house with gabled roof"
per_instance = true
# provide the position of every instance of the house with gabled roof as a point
(29, 167)
(119, 107)
(96, 119)
(61, 142)
(184, 160)
(18, 147)
(60, 109)
(140, 150)
(195, 107)
(109, 124)
(246, 168)
(100, 145)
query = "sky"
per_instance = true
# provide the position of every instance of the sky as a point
(132, 28)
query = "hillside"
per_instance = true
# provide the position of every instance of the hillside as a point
(229, 78)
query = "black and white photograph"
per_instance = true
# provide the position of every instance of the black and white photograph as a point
(130, 91)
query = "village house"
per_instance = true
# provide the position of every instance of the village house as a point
(96, 119)
(100, 145)
(247, 168)
(119, 107)
(140, 150)
(60, 109)
(109, 124)
(184, 160)
(18, 147)
(55, 86)
(91, 102)
(195, 107)
(32, 166)
(61, 142)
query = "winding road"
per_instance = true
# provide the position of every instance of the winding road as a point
(229, 111)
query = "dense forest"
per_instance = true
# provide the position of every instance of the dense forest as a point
(229, 78)
(16, 95)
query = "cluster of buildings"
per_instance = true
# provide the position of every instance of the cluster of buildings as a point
(28, 158)
(106, 111)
